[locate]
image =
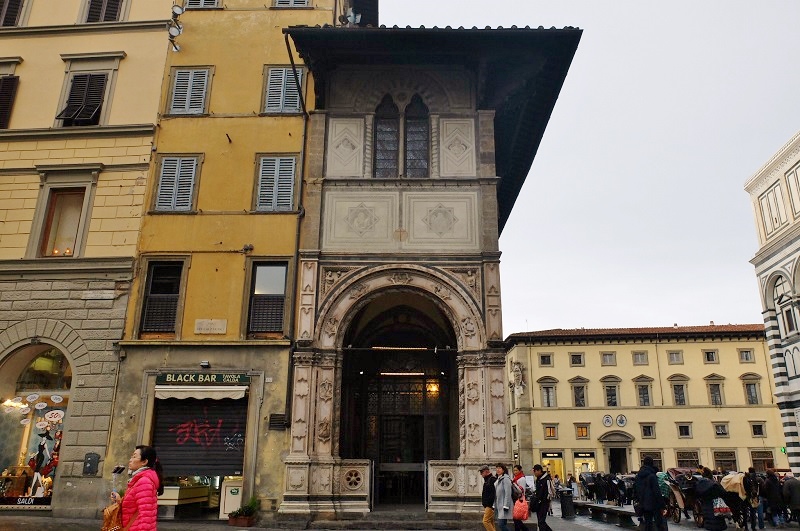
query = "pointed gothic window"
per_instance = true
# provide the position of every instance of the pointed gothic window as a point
(417, 133)
(387, 138)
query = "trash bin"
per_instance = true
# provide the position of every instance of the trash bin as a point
(567, 507)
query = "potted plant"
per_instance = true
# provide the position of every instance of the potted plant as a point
(244, 516)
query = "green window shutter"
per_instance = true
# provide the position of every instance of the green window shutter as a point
(103, 10)
(291, 3)
(85, 100)
(9, 12)
(8, 90)
(200, 4)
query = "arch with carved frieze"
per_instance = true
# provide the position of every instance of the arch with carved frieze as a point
(343, 303)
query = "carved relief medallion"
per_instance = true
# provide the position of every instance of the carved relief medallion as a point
(440, 220)
(331, 324)
(468, 327)
(326, 390)
(401, 278)
(324, 430)
(361, 219)
(472, 392)
(474, 433)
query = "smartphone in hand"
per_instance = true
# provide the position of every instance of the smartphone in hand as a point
(119, 469)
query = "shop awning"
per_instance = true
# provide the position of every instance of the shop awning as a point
(215, 392)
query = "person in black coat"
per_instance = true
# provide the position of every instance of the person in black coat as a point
(487, 497)
(774, 496)
(706, 490)
(650, 499)
(599, 488)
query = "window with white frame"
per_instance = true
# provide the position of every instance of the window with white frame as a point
(189, 91)
(548, 396)
(640, 357)
(202, 4)
(675, 357)
(710, 356)
(746, 356)
(643, 394)
(720, 429)
(176, 184)
(579, 395)
(752, 388)
(715, 390)
(773, 211)
(576, 359)
(684, 430)
(276, 177)
(608, 358)
(679, 394)
(282, 93)
(611, 392)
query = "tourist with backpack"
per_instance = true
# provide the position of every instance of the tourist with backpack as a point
(518, 489)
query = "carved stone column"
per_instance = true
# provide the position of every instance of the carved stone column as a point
(473, 425)
(497, 447)
(322, 458)
(297, 486)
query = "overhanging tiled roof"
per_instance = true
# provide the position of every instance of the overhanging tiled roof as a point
(651, 333)
(519, 74)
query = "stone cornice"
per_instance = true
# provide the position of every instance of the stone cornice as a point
(194, 344)
(767, 172)
(105, 167)
(99, 27)
(100, 131)
(107, 268)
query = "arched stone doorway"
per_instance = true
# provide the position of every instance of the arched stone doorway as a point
(617, 450)
(399, 393)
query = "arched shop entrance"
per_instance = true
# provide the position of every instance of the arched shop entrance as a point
(399, 394)
(34, 388)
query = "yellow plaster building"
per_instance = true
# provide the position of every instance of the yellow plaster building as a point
(585, 400)
(79, 92)
(208, 337)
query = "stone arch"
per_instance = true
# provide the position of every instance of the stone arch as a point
(616, 436)
(337, 312)
(768, 301)
(402, 86)
(45, 331)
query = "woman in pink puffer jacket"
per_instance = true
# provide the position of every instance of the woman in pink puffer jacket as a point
(140, 503)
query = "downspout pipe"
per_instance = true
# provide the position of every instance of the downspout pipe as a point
(300, 215)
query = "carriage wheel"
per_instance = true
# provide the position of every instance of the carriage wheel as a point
(674, 508)
(698, 514)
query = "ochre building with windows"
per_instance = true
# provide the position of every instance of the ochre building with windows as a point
(775, 197)
(79, 92)
(208, 338)
(589, 400)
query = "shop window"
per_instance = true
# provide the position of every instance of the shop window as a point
(162, 293)
(62, 222)
(648, 431)
(551, 431)
(8, 91)
(710, 356)
(85, 100)
(762, 460)
(675, 357)
(282, 95)
(746, 356)
(721, 429)
(725, 461)
(276, 177)
(545, 359)
(9, 12)
(684, 430)
(31, 427)
(608, 358)
(581, 431)
(658, 460)
(177, 183)
(758, 429)
(576, 359)
(189, 91)
(688, 459)
(640, 358)
(267, 299)
(103, 10)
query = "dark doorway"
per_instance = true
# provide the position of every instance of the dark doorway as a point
(399, 395)
(618, 460)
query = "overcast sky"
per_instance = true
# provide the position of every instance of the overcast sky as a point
(634, 213)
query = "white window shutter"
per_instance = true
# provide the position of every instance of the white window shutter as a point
(180, 91)
(166, 183)
(201, 3)
(197, 92)
(284, 193)
(291, 98)
(275, 82)
(291, 3)
(266, 183)
(185, 184)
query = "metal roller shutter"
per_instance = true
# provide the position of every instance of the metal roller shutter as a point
(200, 437)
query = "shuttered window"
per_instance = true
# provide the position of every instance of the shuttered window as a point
(267, 297)
(103, 10)
(282, 93)
(9, 12)
(189, 92)
(85, 100)
(8, 89)
(291, 3)
(200, 436)
(276, 184)
(160, 307)
(176, 184)
(200, 4)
